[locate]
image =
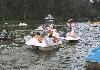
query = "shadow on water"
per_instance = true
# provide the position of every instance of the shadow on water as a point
(44, 54)
(92, 66)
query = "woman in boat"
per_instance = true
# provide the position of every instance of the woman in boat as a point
(38, 37)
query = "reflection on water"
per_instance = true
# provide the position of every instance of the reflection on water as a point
(13, 56)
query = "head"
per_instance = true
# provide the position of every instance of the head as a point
(70, 20)
(37, 33)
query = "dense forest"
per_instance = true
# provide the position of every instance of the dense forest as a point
(30, 10)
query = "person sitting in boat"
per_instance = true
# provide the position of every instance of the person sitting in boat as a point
(49, 40)
(49, 27)
(38, 37)
(49, 32)
(72, 33)
(70, 23)
(61, 33)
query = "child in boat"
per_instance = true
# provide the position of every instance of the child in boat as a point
(50, 32)
(38, 37)
(49, 40)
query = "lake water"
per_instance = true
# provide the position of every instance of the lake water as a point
(13, 56)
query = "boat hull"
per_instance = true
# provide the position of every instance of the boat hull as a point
(50, 48)
(71, 39)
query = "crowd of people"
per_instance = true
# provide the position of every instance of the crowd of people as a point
(51, 35)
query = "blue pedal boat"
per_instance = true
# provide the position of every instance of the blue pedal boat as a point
(94, 56)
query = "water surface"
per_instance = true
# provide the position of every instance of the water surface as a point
(13, 56)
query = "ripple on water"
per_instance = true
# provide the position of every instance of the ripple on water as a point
(69, 57)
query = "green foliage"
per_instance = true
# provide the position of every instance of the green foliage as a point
(29, 10)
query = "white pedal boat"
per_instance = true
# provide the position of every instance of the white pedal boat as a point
(38, 30)
(72, 36)
(71, 39)
(42, 46)
(94, 25)
(22, 24)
